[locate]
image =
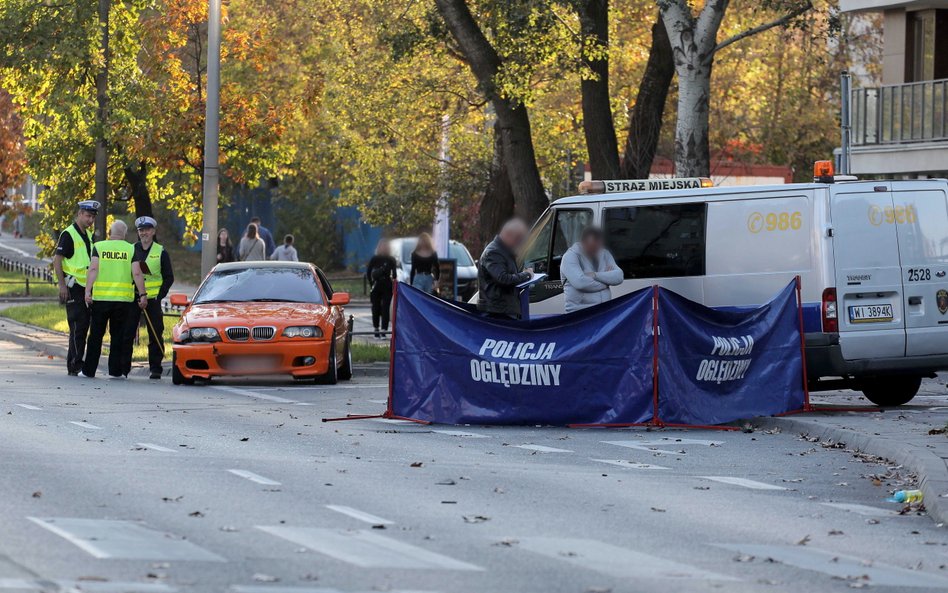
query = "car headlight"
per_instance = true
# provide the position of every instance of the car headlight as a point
(200, 334)
(303, 331)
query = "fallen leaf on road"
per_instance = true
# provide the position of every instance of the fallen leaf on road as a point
(156, 575)
(379, 526)
(475, 518)
(506, 543)
(196, 514)
(804, 541)
(835, 532)
(445, 483)
(169, 499)
(245, 439)
(938, 431)
(37, 494)
(872, 521)
(229, 528)
(658, 510)
(93, 578)
(264, 578)
(499, 490)
(744, 558)
(417, 464)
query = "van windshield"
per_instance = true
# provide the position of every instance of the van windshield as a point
(456, 251)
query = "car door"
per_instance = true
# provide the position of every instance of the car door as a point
(556, 232)
(868, 273)
(921, 221)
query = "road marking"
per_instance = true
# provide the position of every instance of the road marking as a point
(254, 477)
(542, 449)
(85, 424)
(629, 464)
(461, 433)
(366, 549)
(254, 394)
(103, 538)
(155, 447)
(841, 565)
(94, 586)
(279, 589)
(653, 444)
(319, 387)
(861, 509)
(612, 560)
(383, 402)
(742, 482)
(28, 407)
(357, 514)
(392, 421)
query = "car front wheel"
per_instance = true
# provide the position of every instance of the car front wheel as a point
(177, 378)
(331, 376)
(892, 391)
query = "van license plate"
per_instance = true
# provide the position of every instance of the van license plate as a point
(870, 313)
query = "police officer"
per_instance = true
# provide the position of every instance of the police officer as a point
(71, 262)
(111, 286)
(156, 268)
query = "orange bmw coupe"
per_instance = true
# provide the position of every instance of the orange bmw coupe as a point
(262, 318)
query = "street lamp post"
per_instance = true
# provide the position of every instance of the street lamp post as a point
(211, 138)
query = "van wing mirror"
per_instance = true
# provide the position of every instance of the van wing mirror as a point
(180, 300)
(339, 299)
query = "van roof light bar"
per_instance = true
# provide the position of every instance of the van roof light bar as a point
(633, 185)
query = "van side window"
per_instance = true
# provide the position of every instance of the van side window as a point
(657, 241)
(562, 228)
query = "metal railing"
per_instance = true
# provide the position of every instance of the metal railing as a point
(900, 113)
(36, 274)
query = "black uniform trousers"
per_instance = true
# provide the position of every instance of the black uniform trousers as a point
(156, 341)
(113, 314)
(78, 317)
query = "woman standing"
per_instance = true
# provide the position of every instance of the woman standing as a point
(425, 270)
(252, 247)
(381, 274)
(225, 249)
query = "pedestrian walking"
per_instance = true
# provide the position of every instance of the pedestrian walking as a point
(285, 252)
(588, 270)
(381, 274)
(71, 264)
(19, 225)
(225, 249)
(113, 278)
(252, 247)
(265, 234)
(499, 273)
(158, 274)
(425, 269)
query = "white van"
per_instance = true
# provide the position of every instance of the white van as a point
(467, 269)
(872, 256)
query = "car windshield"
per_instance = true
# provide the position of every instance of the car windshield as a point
(289, 285)
(457, 252)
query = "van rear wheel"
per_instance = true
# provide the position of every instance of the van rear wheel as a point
(892, 391)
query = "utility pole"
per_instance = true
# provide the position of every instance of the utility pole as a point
(211, 138)
(102, 117)
(845, 117)
(442, 222)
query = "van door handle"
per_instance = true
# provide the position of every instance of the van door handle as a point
(916, 300)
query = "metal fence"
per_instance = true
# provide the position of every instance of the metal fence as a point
(900, 113)
(31, 274)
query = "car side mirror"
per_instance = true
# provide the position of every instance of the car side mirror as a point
(339, 299)
(180, 300)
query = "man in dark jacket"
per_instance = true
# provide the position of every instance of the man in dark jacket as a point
(499, 274)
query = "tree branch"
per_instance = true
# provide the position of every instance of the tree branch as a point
(761, 28)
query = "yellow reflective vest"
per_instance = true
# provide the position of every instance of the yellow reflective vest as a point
(114, 281)
(153, 279)
(78, 265)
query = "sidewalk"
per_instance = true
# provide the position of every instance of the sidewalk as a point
(913, 436)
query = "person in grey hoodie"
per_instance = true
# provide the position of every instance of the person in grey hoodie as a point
(588, 270)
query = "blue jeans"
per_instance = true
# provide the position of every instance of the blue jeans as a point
(424, 282)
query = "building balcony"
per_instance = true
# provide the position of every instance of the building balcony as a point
(901, 129)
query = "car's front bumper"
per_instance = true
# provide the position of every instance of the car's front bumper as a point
(218, 359)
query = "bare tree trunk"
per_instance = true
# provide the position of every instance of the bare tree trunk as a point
(136, 176)
(102, 115)
(692, 151)
(598, 126)
(497, 205)
(530, 199)
(645, 123)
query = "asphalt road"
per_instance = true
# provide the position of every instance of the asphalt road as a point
(239, 487)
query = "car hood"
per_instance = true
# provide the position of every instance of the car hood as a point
(276, 314)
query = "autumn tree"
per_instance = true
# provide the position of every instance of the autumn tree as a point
(694, 42)
(12, 157)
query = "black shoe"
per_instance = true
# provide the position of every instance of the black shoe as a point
(73, 373)
(155, 375)
(377, 334)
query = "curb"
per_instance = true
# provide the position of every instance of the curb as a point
(375, 370)
(931, 469)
